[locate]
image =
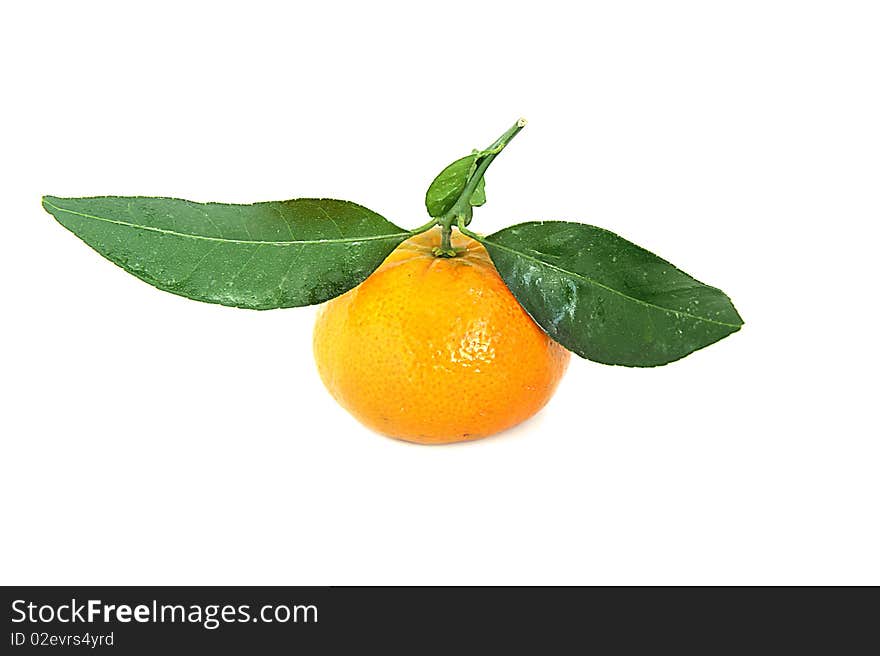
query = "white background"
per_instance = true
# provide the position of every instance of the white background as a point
(150, 439)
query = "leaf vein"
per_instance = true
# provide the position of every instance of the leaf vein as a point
(227, 240)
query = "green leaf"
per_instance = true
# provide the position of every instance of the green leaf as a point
(448, 186)
(479, 196)
(261, 256)
(605, 298)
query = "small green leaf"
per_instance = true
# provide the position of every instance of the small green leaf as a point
(479, 196)
(261, 256)
(447, 187)
(605, 298)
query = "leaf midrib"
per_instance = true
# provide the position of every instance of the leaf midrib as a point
(224, 239)
(610, 289)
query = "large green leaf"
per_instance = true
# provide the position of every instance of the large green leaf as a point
(605, 298)
(261, 256)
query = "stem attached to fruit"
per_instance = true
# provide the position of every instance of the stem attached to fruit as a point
(445, 249)
(461, 212)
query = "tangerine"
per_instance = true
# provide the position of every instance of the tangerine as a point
(436, 349)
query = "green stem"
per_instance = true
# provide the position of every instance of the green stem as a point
(462, 207)
(493, 152)
(468, 233)
(423, 228)
(461, 212)
(445, 249)
(446, 239)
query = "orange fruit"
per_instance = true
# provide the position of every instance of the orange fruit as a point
(435, 350)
